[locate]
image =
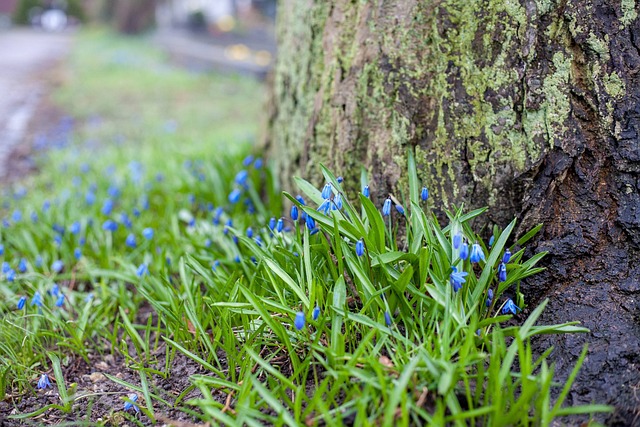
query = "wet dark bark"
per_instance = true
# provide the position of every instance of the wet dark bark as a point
(532, 108)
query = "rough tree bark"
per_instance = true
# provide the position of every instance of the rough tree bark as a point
(529, 106)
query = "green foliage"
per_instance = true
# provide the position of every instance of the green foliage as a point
(392, 343)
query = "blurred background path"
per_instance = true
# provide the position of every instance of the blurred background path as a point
(27, 57)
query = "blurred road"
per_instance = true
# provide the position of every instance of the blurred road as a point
(26, 57)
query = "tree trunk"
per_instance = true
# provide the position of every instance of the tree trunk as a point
(133, 16)
(530, 107)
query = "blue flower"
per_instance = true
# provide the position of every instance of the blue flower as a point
(387, 318)
(89, 297)
(11, 275)
(57, 266)
(74, 228)
(215, 265)
(22, 265)
(424, 194)
(17, 216)
(110, 225)
(234, 196)
(107, 207)
(300, 321)
(457, 278)
(148, 233)
(142, 270)
(325, 206)
(510, 307)
(258, 241)
(144, 202)
(326, 191)
(507, 256)
(489, 297)
(476, 253)
(316, 313)
(44, 382)
(46, 205)
(339, 179)
(241, 177)
(247, 160)
(38, 261)
(272, 223)
(129, 405)
(57, 239)
(491, 240)
(114, 191)
(55, 290)
(294, 212)
(21, 302)
(400, 209)
(5, 267)
(258, 163)
(360, 247)
(386, 207)
(34, 217)
(60, 301)
(1, 250)
(37, 299)
(124, 220)
(366, 192)
(337, 201)
(207, 243)
(280, 225)
(58, 228)
(464, 251)
(227, 226)
(131, 241)
(300, 200)
(249, 232)
(90, 198)
(502, 272)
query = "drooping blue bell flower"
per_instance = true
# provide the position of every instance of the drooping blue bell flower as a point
(457, 278)
(386, 207)
(360, 247)
(476, 253)
(424, 194)
(300, 321)
(510, 307)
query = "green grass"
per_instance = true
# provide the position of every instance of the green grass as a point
(392, 343)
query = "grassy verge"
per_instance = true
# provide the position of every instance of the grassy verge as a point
(152, 239)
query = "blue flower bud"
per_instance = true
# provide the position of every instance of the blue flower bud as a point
(258, 241)
(17, 216)
(60, 301)
(338, 201)
(5, 267)
(34, 217)
(131, 241)
(110, 225)
(300, 200)
(316, 313)
(57, 266)
(21, 302)
(491, 240)
(241, 177)
(464, 251)
(107, 207)
(142, 270)
(387, 318)
(74, 228)
(366, 192)
(11, 275)
(300, 321)
(325, 206)
(457, 240)
(234, 196)
(294, 212)
(340, 179)
(502, 272)
(272, 223)
(37, 299)
(507, 256)
(386, 207)
(400, 209)
(280, 225)
(258, 163)
(22, 265)
(147, 233)
(249, 232)
(215, 265)
(311, 223)
(90, 198)
(55, 290)
(424, 194)
(489, 297)
(476, 253)
(360, 247)
(77, 253)
(326, 191)
(1, 250)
